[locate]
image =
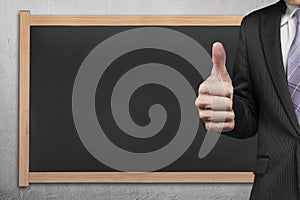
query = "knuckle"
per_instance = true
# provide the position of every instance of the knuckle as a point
(227, 87)
(203, 102)
(230, 89)
(231, 116)
(201, 114)
(207, 126)
(204, 115)
(196, 102)
(231, 125)
(203, 87)
(229, 104)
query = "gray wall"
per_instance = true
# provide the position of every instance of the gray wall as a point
(9, 33)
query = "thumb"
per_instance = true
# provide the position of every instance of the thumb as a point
(219, 60)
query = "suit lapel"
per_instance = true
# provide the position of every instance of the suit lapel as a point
(270, 37)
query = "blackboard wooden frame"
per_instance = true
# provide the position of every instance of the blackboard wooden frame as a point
(26, 177)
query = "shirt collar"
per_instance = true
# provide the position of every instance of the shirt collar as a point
(289, 13)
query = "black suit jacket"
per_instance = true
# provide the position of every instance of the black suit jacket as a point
(263, 105)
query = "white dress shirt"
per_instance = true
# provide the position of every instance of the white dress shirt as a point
(288, 28)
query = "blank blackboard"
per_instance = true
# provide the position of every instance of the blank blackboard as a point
(60, 47)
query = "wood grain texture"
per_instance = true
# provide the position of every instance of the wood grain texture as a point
(141, 177)
(114, 20)
(24, 98)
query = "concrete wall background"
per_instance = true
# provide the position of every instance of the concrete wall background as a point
(9, 44)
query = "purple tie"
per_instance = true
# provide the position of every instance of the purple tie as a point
(293, 69)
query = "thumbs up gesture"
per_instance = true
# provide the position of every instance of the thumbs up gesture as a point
(214, 101)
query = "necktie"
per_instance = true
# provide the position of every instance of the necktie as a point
(293, 69)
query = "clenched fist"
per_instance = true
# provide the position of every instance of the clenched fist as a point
(214, 101)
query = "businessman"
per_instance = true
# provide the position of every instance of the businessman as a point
(261, 95)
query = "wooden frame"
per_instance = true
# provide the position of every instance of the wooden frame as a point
(26, 177)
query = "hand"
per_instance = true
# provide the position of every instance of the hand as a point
(214, 101)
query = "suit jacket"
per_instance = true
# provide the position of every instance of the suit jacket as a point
(263, 105)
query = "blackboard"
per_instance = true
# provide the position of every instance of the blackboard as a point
(62, 85)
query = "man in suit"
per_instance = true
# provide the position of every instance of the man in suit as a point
(261, 95)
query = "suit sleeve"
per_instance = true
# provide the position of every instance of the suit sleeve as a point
(244, 100)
